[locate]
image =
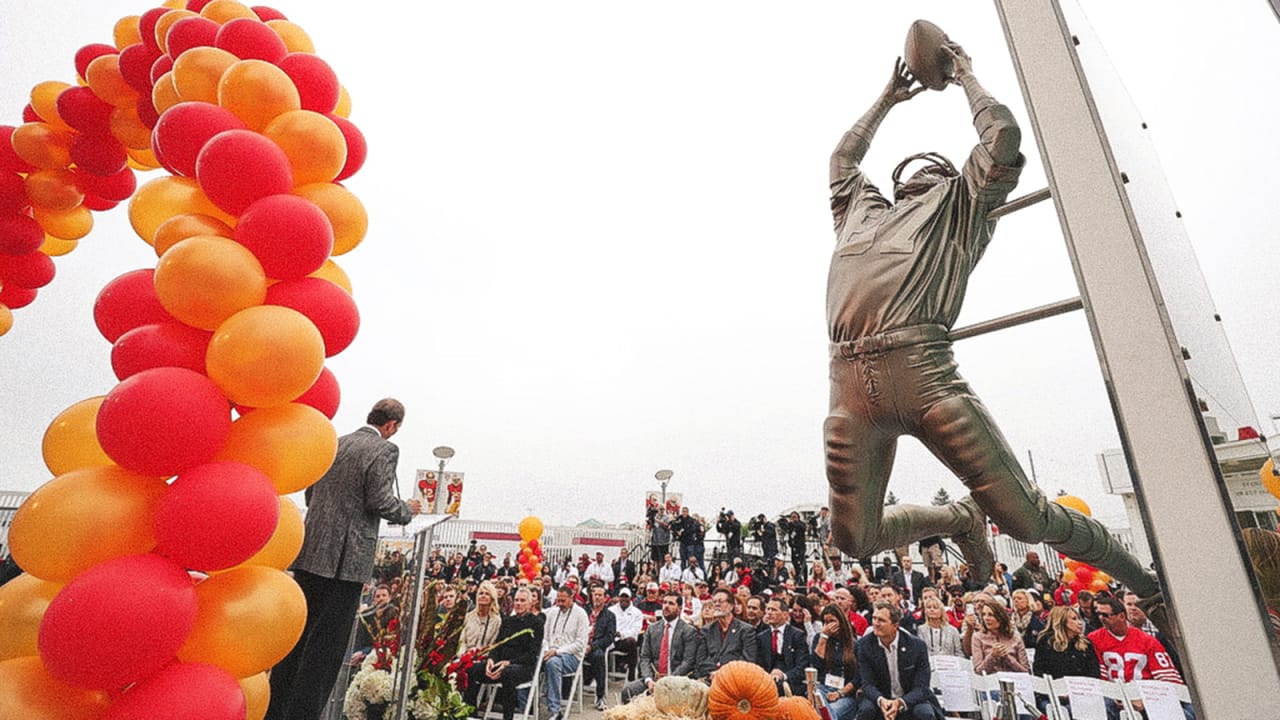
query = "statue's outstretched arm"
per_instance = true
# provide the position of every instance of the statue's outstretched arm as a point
(997, 130)
(855, 143)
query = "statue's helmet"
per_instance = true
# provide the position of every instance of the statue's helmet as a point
(937, 169)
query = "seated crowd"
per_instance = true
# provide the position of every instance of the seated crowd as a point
(848, 621)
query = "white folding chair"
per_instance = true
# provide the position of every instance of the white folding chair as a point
(576, 688)
(611, 667)
(530, 704)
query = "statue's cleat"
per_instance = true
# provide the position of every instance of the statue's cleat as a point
(973, 543)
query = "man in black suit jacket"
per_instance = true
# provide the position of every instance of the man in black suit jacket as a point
(344, 510)
(725, 639)
(783, 650)
(897, 691)
(603, 628)
(911, 581)
(885, 572)
(683, 648)
(624, 572)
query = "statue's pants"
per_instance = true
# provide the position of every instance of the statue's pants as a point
(905, 382)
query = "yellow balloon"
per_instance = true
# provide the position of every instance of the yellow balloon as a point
(294, 37)
(82, 518)
(163, 198)
(23, 601)
(44, 100)
(257, 695)
(206, 279)
(262, 356)
(530, 528)
(57, 247)
(1075, 503)
(248, 620)
(345, 212)
(1270, 480)
(105, 80)
(180, 227)
(6, 319)
(292, 444)
(71, 440)
(70, 224)
(315, 146)
(257, 92)
(333, 273)
(196, 73)
(224, 11)
(28, 692)
(344, 102)
(126, 32)
(166, 23)
(285, 543)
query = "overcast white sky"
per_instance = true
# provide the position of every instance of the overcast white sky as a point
(599, 237)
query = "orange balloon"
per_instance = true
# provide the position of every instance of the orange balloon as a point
(206, 279)
(44, 100)
(257, 695)
(257, 92)
(292, 444)
(285, 543)
(315, 146)
(6, 319)
(345, 212)
(27, 691)
(1270, 481)
(197, 72)
(344, 102)
(126, 32)
(54, 190)
(23, 601)
(262, 356)
(180, 227)
(42, 145)
(142, 159)
(294, 37)
(163, 198)
(57, 247)
(82, 518)
(70, 224)
(530, 528)
(165, 93)
(166, 22)
(129, 129)
(248, 620)
(224, 11)
(105, 80)
(1075, 503)
(333, 273)
(71, 440)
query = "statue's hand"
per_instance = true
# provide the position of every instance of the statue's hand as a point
(963, 64)
(899, 87)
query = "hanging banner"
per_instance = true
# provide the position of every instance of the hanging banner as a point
(453, 488)
(428, 486)
(653, 499)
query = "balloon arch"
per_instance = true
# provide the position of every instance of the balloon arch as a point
(154, 582)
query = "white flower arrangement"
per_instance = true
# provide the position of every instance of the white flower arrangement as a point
(370, 686)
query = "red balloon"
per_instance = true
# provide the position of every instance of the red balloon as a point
(324, 395)
(166, 344)
(116, 188)
(216, 516)
(289, 235)
(250, 39)
(197, 5)
(237, 167)
(29, 114)
(14, 297)
(188, 33)
(19, 234)
(89, 53)
(9, 160)
(99, 154)
(317, 83)
(162, 421)
(265, 13)
(82, 110)
(31, 270)
(184, 129)
(1084, 574)
(93, 202)
(128, 302)
(118, 622)
(137, 59)
(326, 305)
(147, 29)
(13, 193)
(162, 65)
(182, 691)
(357, 148)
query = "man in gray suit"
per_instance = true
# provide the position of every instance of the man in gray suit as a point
(343, 512)
(670, 647)
(726, 638)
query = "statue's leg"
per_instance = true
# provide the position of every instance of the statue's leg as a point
(960, 431)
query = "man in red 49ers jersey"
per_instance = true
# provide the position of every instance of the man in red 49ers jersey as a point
(1126, 653)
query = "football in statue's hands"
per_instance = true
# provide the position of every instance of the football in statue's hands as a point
(925, 57)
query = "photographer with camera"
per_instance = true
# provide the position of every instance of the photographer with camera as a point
(765, 533)
(731, 530)
(793, 530)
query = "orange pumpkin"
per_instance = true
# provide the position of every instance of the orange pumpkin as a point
(742, 691)
(796, 708)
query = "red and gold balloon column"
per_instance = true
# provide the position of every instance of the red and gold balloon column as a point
(1077, 575)
(154, 559)
(530, 557)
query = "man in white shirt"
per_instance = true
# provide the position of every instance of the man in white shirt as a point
(670, 572)
(599, 570)
(566, 629)
(564, 571)
(693, 573)
(630, 624)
